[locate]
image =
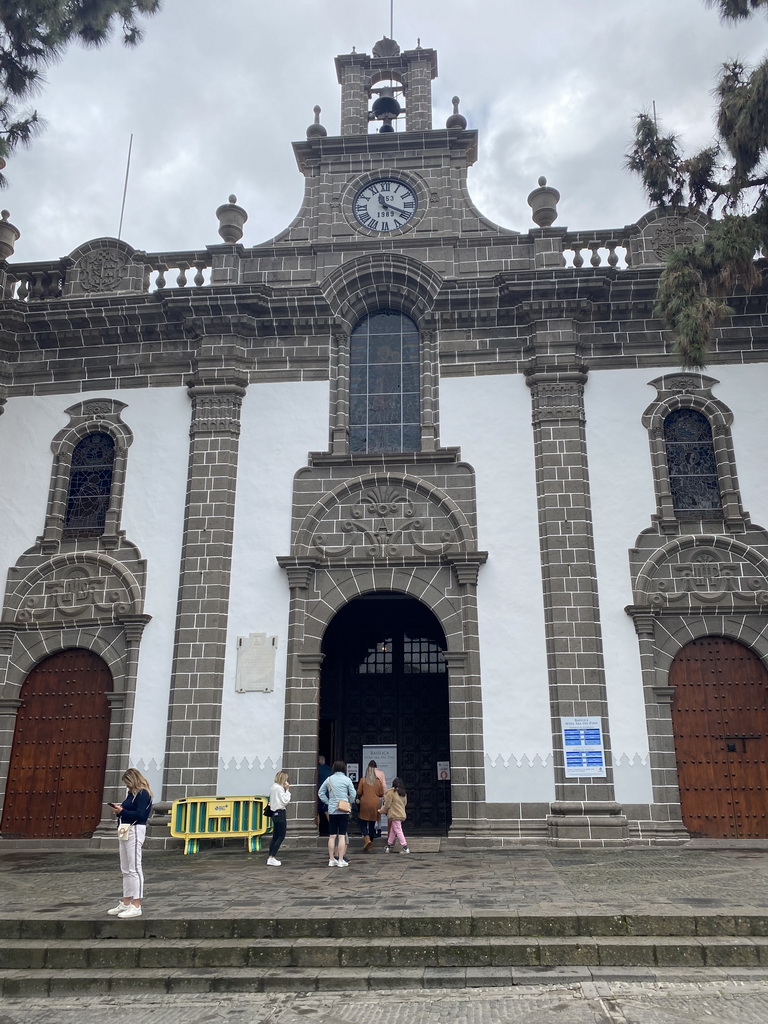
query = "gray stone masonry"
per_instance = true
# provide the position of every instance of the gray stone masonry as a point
(197, 678)
(585, 812)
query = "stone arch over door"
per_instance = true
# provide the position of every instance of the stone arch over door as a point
(59, 752)
(449, 592)
(720, 728)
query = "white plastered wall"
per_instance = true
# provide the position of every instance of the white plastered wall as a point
(489, 418)
(281, 423)
(623, 501)
(152, 519)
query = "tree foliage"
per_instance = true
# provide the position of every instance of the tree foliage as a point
(727, 180)
(35, 34)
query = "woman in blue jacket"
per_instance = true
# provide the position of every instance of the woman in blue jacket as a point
(335, 788)
(132, 816)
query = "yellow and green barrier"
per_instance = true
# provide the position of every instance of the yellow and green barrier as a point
(220, 817)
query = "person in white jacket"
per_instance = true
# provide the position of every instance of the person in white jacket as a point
(279, 798)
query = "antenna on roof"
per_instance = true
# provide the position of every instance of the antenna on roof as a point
(125, 186)
(391, 19)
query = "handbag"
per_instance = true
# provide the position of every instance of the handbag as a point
(268, 812)
(344, 807)
(123, 831)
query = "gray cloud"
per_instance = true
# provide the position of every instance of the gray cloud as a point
(220, 88)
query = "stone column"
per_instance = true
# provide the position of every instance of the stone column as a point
(418, 104)
(340, 411)
(302, 706)
(466, 710)
(351, 73)
(665, 809)
(585, 811)
(197, 679)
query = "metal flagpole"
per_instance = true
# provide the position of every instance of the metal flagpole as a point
(125, 186)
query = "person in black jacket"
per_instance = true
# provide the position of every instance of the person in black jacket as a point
(132, 815)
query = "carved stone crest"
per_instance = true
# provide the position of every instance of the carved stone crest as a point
(102, 270)
(668, 234)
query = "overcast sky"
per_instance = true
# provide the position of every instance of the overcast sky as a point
(219, 89)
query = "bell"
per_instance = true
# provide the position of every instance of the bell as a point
(385, 106)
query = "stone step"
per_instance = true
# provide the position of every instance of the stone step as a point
(432, 951)
(59, 983)
(457, 926)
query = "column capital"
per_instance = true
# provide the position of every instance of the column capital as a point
(216, 404)
(298, 570)
(643, 618)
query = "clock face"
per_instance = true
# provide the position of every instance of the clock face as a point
(385, 205)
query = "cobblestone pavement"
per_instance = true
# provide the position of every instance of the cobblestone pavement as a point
(228, 882)
(615, 1003)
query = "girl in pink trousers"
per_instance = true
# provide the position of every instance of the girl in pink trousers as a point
(395, 800)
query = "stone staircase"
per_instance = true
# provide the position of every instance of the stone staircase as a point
(64, 956)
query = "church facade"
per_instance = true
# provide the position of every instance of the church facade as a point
(400, 479)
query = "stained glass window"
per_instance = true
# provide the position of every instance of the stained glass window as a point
(90, 486)
(691, 462)
(384, 412)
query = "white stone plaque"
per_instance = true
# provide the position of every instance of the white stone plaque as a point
(255, 671)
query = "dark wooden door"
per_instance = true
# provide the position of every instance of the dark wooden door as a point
(56, 774)
(385, 681)
(720, 723)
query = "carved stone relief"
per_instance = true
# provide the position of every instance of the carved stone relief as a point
(386, 521)
(102, 270)
(60, 591)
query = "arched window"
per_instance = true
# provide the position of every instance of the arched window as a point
(691, 462)
(384, 405)
(90, 486)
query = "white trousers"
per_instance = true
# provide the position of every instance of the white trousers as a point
(130, 862)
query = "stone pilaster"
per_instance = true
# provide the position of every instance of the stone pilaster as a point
(584, 811)
(194, 715)
(302, 702)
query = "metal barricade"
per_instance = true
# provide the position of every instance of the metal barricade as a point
(220, 817)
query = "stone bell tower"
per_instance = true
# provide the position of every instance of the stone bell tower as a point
(408, 76)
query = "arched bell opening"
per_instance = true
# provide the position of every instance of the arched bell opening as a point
(384, 683)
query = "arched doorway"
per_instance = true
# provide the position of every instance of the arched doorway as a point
(384, 681)
(56, 773)
(720, 724)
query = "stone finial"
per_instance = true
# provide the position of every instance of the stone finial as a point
(231, 220)
(456, 120)
(9, 235)
(543, 203)
(316, 130)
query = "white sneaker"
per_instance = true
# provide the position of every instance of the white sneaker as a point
(342, 863)
(273, 862)
(118, 909)
(131, 911)
(333, 863)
